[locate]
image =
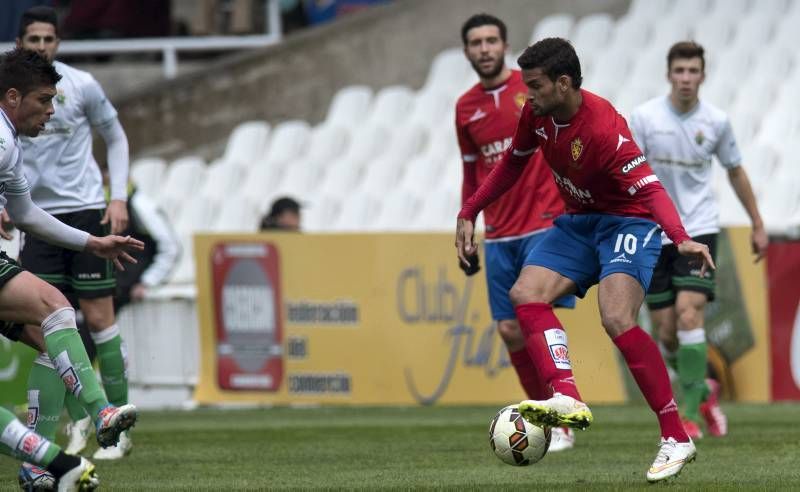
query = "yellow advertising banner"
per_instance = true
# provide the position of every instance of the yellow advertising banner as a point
(365, 319)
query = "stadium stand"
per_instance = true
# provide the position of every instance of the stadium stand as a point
(398, 139)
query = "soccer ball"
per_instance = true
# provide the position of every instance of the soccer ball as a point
(515, 440)
(33, 478)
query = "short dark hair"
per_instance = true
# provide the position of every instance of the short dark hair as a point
(686, 49)
(25, 71)
(479, 20)
(41, 13)
(556, 57)
(279, 206)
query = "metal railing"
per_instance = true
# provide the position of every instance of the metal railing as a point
(169, 47)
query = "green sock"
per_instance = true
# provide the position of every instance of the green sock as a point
(45, 398)
(74, 408)
(22, 443)
(65, 348)
(692, 360)
(671, 359)
(111, 355)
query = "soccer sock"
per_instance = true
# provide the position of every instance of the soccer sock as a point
(74, 408)
(62, 463)
(528, 377)
(45, 397)
(66, 350)
(671, 359)
(22, 443)
(112, 356)
(645, 363)
(546, 343)
(692, 360)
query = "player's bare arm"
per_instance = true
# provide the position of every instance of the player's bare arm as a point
(741, 185)
(6, 225)
(117, 215)
(465, 240)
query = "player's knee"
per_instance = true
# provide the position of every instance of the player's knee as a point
(616, 322)
(97, 319)
(524, 294)
(689, 318)
(51, 300)
(511, 334)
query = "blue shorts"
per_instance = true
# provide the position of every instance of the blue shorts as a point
(586, 248)
(504, 261)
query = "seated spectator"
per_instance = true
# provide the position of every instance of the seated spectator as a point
(284, 215)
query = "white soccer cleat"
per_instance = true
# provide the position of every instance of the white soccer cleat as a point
(558, 411)
(78, 433)
(122, 449)
(80, 478)
(34, 479)
(561, 439)
(671, 459)
(113, 421)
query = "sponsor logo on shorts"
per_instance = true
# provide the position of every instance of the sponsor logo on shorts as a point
(621, 259)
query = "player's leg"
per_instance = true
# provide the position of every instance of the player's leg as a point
(501, 273)
(660, 300)
(27, 299)
(693, 293)
(557, 267)
(24, 444)
(628, 253)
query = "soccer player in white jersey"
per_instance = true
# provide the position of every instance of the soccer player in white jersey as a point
(680, 134)
(67, 182)
(27, 87)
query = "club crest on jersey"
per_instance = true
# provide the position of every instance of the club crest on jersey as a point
(61, 97)
(519, 98)
(576, 147)
(699, 137)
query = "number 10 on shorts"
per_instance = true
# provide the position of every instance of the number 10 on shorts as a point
(627, 241)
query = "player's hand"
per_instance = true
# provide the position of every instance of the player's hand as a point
(117, 215)
(465, 240)
(138, 291)
(701, 252)
(6, 225)
(473, 267)
(114, 248)
(759, 241)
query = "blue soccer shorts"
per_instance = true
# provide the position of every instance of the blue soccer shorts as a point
(504, 260)
(586, 248)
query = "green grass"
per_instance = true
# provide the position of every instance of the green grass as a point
(434, 448)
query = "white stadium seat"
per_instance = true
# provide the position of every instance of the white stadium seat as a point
(553, 26)
(730, 9)
(629, 34)
(148, 175)
(183, 177)
(289, 141)
(714, 34)
(449, 72)
(328, 142)
(349, 106)
(237, 214)
(357, 213)
(398, 211)
(319, 212)
(432, 108)
(591, 35)
(247, 143)
(439, 210)
(649, 9)
(222, 180)
(422, 173)
(392, 105)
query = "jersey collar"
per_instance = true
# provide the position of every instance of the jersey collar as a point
(8, 123)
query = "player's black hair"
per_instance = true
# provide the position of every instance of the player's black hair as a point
(41, 13)
(482, 19)
(686, 49)
(25, 71)
(556, 57)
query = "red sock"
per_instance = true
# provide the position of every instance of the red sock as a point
(528, 377)
(546, 343)
(648, 369)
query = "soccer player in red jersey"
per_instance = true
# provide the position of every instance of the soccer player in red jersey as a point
(608, 236)
(486, 117)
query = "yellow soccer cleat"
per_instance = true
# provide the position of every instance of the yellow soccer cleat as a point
(558, 411)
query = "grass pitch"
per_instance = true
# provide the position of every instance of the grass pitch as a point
(433, 448)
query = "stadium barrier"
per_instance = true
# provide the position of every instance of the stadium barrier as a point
(390, 319)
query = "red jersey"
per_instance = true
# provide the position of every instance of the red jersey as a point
(485, 123)
(596, 164)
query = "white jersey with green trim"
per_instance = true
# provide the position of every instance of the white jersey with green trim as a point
(59, 165)
(679, 148)
(12, 176)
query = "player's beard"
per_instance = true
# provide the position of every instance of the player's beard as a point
(492, 72)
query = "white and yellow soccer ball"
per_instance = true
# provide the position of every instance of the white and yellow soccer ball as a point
(515, 440)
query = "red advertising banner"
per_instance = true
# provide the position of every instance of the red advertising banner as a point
(247, 311)
(783, 268)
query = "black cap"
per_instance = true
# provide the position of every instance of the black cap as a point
(284, 204)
